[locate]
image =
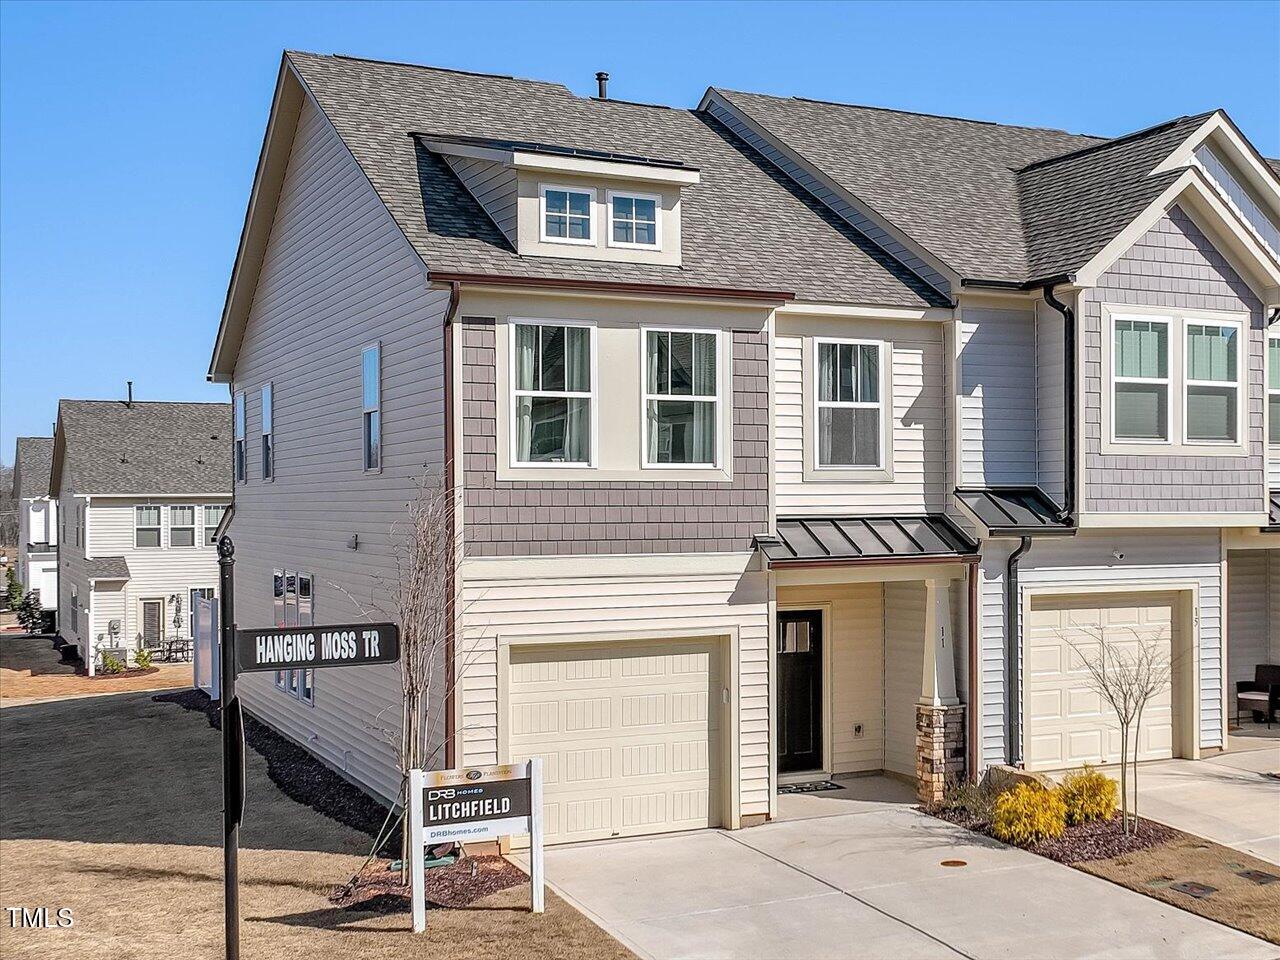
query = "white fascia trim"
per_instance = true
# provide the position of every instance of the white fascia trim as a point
(180, 498)
(562, 293)
(1140, 520)
(657, 565)
(1239, 150)
(616, 169)
(852, 312)
(982, 530)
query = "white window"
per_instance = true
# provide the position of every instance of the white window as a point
(1212, 398)
(240, 468)
(634, 220)
(568, 215)
(1140, 371)
(1273, 390)
(681, 397)
(182, 526)
(553, 374)
(75, 610)
(371, 383)
(213, 514)
(80, 538)
(849, 408)
(294, 599)
(268, 450)
(146, 526)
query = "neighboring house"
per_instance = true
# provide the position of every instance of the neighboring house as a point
(140, 489)
(37, 519)
(789, 439)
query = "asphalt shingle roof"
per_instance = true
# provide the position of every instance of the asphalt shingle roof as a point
(109, 568)
(31, 464)
(744, 226)
(147, 448)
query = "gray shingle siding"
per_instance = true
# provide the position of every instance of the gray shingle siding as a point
(534, 518)
(1174, 265)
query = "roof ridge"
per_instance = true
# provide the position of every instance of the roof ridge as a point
(1126, 138)
(431, 67)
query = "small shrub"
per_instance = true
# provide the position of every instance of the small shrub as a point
(143, 659)
(1089, 795)
(1027, 814)
(975, 799)
(112, 664)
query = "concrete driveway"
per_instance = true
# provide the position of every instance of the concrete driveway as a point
(869, 885)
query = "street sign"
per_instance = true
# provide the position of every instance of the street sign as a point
(470, 804)
(309, 648)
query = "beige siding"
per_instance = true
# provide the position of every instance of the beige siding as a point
(337, 276)
(110, 602)
(904, 618)
(521, 599)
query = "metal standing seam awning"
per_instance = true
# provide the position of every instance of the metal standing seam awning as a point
(1015, 511)
(815, 541)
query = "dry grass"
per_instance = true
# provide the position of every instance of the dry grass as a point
(111, 806)
(1238, 902)
(30, 671)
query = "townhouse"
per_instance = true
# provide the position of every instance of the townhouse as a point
(788, 439)
(140, 488)
(37, 519)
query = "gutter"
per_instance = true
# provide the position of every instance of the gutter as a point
(450, 731)
(873, 561)
(1012, 651)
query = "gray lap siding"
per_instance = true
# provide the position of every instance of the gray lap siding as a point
(535, 518)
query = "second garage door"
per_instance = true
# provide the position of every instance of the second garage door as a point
(629, 734)
(1067, 723)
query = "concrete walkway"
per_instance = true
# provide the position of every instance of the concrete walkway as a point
(869, 884)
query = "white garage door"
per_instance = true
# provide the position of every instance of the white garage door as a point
(629, 734)
(1067, 723)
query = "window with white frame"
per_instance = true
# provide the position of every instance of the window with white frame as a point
(239, 454)
(1212, 401)
(849, 403)
(80, 512)
(371, 387)
(268, 449)
(568, 215)
(182, 526)
(146, 525)
(1273, 389)
(551, 393)
(1140, 375)
(75, 610)
(293, 600)
(633, 220)
(682, 397)
(213, 514)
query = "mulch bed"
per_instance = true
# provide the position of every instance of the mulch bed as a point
(299, 774)
(1098, 840)
(122, 675)
(378, 888)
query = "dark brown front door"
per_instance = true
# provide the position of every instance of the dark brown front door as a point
(799, 691)
(152, 613)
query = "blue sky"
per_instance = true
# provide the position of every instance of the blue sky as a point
(129, 132)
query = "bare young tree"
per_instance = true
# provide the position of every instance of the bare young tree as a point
(1127, 677)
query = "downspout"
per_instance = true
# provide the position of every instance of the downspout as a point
(1012, 651)
(450, 752)
(972, 690)
(1067, 514)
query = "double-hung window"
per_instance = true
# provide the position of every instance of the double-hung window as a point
(682, 404)
(1273, 390)
(1140, 393)
(238, 413)
(1213, 382)
(568, 215)
(213, 514)
(552, 393)
(268, 448)
(849, 403)
(146, 525)
(293, 597)
(182, 526)
(371, 380)
(80, 525)
(633, 220)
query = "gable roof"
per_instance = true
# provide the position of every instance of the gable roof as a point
(31, 463)
(106, 447)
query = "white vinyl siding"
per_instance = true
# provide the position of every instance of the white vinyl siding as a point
(997, 397)
(495, 188)
(1050, 402)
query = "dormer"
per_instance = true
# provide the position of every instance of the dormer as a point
(562, 202)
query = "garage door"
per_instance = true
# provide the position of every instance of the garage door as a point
(629, 735)
(1067, 723)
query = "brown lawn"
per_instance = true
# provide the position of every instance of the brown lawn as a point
(111, 806)
(30, 670)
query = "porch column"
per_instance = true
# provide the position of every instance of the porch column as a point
(939, 713)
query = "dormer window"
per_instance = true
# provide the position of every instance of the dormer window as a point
(633, 220)
(568, 215)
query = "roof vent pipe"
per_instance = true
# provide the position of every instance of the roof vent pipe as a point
(602, 84)
(128, 391)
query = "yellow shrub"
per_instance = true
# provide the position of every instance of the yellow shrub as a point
(1089, 795)
(1027, 814)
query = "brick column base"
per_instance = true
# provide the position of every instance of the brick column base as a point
(940, 750)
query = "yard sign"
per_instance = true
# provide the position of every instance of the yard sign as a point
(474, 803)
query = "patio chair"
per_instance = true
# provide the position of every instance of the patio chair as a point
(1261, 695)
(155, 647)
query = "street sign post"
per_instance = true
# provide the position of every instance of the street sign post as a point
(470, 804)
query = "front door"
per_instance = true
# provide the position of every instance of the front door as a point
(152, 618)
(799, 691)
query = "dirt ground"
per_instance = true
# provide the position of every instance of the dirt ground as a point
(1237, 902)
(111, 806)
(31, 670)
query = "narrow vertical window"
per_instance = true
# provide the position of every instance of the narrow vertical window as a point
(182, 526)
(681, 397)
(1273, 389)
(1140, 391)
(1213, 382)
(371, 377)
(552, 393)
(850, 404)
(146, 526)
(240, 468)
(268, 450)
